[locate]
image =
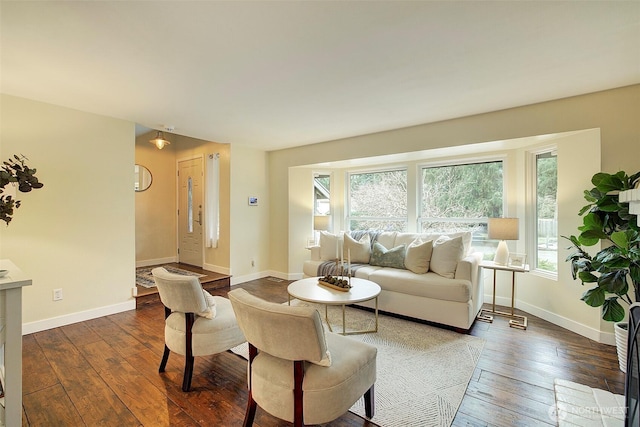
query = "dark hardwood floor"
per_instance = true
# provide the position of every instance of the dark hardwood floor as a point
(105, 372)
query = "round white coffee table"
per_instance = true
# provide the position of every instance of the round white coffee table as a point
(361, 290)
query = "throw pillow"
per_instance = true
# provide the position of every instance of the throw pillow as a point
(360, 250)
(418, 256)
(330, 246)
(447, 252)
(384, 257)
(210, 311)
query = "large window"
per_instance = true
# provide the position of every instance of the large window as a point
(378, 200)
(461, 198)
(546, 182)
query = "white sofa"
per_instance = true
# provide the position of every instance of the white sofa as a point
(449, 292)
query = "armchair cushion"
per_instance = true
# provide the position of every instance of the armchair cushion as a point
(328, 393)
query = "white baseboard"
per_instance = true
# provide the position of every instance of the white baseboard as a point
(68, 319)
(556, 319)
(158, 261)
(236, 280)
(216, 269)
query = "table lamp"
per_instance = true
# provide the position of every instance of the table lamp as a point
(503, 229)
(321, 223)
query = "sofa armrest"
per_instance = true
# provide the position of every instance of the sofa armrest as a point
(468, 268)
(315, 253)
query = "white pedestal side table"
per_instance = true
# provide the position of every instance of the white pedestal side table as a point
(11, 321)
(485, 315)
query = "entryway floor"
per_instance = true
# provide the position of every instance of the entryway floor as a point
(210, 281)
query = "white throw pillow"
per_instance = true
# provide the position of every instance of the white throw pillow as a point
(330, 246)
(447, 252)
(360, 250)
(418, 256)
(210, 311)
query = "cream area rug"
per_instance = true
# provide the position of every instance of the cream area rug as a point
(422, 371)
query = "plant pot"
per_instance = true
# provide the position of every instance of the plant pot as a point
(622, 336)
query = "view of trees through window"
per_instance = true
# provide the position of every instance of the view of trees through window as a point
(321, 194)
(378, 200)
(462, 198)
(546, 211)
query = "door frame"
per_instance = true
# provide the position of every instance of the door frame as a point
(204, 173)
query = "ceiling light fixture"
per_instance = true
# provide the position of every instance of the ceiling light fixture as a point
(160, 141)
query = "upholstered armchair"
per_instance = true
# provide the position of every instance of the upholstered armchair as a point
(196, 323)
(297, 372)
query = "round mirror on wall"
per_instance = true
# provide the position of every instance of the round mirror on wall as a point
(142, 178)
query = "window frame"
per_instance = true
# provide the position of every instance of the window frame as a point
(462, 161)
(531, 210)
(347, 213)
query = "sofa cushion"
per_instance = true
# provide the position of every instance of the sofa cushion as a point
(447, 252)
(418, 256)
(384, 257)
(358, 251)
(387, 239)
(429, 285)
(407, 238)
(330, 246)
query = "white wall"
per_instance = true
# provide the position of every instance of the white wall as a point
(77, 232)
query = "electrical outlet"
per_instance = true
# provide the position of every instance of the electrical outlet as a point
(253, 263)
(57, 294)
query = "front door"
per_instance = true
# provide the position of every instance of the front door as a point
(190, 215)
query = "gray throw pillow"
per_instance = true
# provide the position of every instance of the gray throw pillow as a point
(384, 257)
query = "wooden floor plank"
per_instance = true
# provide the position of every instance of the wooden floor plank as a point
(105, 372)
(50, 406)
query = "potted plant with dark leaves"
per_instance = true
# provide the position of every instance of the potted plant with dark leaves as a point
(15, 172)
(613, 272)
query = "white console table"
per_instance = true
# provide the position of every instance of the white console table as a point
(11, 333)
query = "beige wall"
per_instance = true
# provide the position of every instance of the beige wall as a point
(250, 225)
(615, 113)
(77, 232)
(156, 240)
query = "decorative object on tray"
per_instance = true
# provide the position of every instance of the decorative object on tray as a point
(336, 282)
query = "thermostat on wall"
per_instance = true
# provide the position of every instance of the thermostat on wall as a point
(253, 201)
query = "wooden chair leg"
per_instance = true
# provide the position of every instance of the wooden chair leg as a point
(188, 373)
(251, 404)
(188, 357)
(369, 403)
(165, 357)
(251, 412)
(298, 376)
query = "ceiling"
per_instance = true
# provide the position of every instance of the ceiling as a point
(273, 75)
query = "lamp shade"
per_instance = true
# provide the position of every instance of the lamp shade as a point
(503, 228)
(160, 141)
(321, 222)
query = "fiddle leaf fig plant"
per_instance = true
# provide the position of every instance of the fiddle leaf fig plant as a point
(15, 172)
(615, 270)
